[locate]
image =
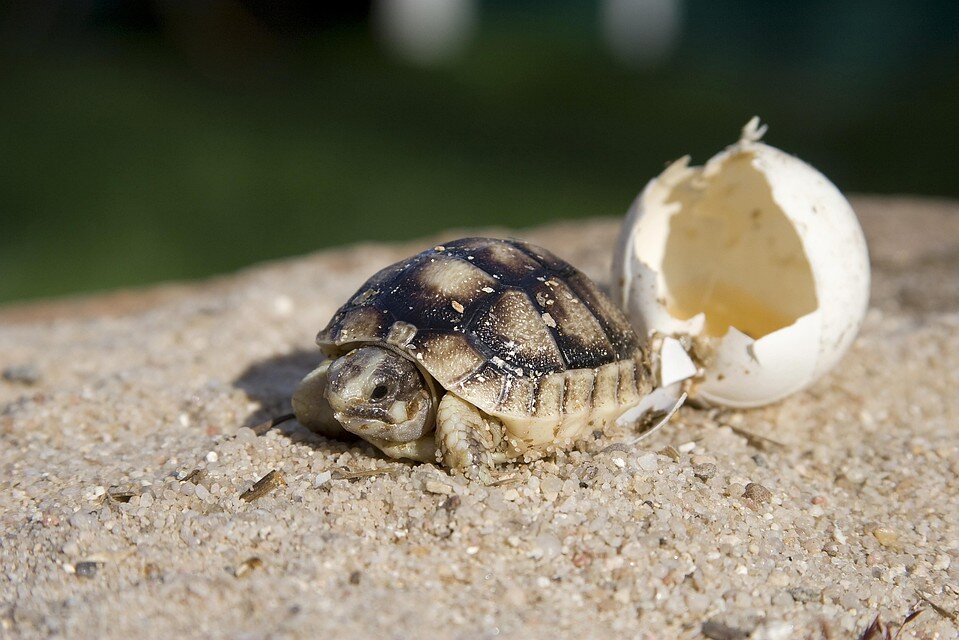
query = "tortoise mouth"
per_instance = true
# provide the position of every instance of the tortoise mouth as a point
(379, 424)
(363, 426)
(359, 412)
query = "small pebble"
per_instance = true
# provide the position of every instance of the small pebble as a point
(886, 537)
(551, 486)
(716, 630)
(734, 490)
(805, 594)
(86, 569)
(670, 452)
(647, 462)
(201, 492)
(263, 486)
(686, 447)
(704, 471)
(95, 492)
(82, 520)
(774, 630)
(27, 374)
(757, 493)
(838, 535)
(546, 546)
(439, 488)
(247, 566)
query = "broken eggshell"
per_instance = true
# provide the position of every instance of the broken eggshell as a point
(756, 259)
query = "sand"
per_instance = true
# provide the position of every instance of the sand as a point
(123, 461)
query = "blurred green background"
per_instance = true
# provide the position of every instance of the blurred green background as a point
(147, 140)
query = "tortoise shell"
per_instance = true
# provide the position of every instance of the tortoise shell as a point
(507, 326)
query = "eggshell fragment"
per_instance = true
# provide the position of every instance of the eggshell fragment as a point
(757, 257)
(675, 364)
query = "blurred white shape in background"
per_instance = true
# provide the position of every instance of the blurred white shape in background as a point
(425, 31)
(641, 33)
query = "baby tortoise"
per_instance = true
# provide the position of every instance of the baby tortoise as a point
(474, 353)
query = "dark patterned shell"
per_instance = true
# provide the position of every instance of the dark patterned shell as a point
(506, 325)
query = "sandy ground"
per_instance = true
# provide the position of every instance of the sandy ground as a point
(123, 463)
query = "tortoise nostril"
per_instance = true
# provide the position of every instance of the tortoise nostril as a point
(379, 392)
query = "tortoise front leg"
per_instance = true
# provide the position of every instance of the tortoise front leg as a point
(466, 439)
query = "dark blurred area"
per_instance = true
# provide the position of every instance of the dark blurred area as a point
(146, 140)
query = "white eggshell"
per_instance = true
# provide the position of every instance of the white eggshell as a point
(674, 364)
(757, 256)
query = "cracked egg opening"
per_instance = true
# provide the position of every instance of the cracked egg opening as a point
(758, 258)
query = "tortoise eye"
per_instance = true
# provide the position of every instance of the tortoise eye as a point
(379, 392)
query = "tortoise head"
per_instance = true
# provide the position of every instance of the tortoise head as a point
(375, 392)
